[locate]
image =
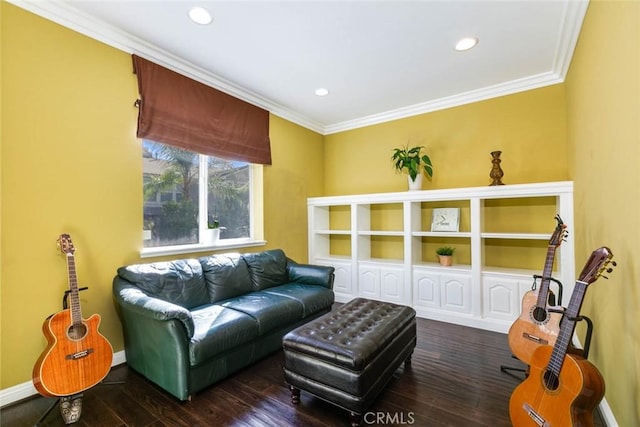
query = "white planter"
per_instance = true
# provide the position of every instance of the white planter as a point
(415, 185)
(211, 236)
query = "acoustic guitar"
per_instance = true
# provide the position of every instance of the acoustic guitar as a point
(77, 356)
(537, 325)
(562, 388)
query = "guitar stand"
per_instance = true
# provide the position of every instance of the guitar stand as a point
(552, 297)
(70, 409)
(70, 406)
(509, 370)
(587, 338)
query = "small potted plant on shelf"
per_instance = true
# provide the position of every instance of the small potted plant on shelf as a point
(445, 254)
(410, 160)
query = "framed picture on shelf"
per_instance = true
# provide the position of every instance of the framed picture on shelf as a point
(445, 219)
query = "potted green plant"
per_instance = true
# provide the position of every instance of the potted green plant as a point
(445, 254)
(212, 233)
(411, 161)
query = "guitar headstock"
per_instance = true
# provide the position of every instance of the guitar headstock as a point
(559, 233)
(65, 244)
(597, 264)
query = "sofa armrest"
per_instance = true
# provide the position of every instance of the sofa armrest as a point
(156, 337)
(137, 303)
(318, 275)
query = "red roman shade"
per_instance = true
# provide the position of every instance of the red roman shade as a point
(182, 112)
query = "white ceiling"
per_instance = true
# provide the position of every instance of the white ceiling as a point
(380, 60)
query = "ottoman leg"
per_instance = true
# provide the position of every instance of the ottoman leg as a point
(356, 420)
(295, 395)
(407, 361)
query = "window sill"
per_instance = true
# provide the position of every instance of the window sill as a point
(223, 244)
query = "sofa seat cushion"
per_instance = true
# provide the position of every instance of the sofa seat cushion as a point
(180, 282)
(269, 310)
(312, 298)
(218, 329)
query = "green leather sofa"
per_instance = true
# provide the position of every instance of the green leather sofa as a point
(191, 322)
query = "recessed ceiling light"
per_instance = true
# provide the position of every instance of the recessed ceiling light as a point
(322, 92)
(466, 43)
(200, 15)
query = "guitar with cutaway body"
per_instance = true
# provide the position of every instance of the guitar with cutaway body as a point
(538, 324)
(562, 388)
(77, 356)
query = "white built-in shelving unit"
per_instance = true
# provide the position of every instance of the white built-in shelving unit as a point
(382, 247)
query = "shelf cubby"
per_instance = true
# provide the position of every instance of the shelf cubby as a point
(423, 211)
(380, 217)
(524, 254)
(424, 249)
(382, 247)
(520, 215)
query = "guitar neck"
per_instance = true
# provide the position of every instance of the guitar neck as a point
(568, 327)
(74, 298)
(546, 277)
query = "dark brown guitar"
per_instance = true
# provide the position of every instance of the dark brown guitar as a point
(537, 325)
(77, 356)
(562, 388)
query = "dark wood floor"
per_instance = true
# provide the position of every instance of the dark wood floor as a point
(454, 380)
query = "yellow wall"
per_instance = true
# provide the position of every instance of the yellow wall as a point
(529, 128)
(603, 112)
(69, 160)
(71, 164)
(296, 174)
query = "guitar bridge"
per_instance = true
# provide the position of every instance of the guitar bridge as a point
(79, 355)
(534, 338)
(535, 416)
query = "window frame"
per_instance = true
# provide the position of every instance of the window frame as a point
(255, 218)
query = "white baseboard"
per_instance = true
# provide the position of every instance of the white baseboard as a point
(22, 391)
(607, 414)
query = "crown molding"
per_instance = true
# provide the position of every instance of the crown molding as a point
(495, 91)
(574, 13)
(66, 15)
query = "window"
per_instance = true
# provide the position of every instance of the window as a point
(186, 193)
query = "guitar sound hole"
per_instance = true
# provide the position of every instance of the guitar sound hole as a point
(77, 332)
(551, 381)
(540, 314)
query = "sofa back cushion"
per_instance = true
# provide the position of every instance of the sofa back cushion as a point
(180, 282)
(226, 276)
(267, 268)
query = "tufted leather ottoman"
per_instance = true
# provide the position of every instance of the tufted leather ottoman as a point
(347, 356)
